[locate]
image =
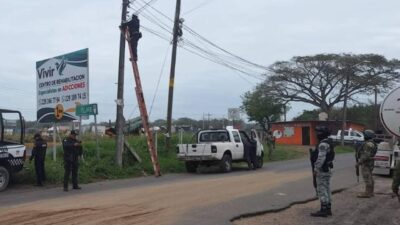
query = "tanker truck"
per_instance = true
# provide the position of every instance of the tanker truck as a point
(388, 150)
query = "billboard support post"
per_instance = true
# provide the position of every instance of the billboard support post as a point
(97, 137)
(54, 142)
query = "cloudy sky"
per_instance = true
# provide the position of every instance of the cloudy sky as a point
(261, 31)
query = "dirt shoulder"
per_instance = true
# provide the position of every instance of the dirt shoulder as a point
(347, 209)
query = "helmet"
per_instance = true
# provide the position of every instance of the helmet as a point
(322, 132)
(369, 134)
(74, 132)
(37, 135)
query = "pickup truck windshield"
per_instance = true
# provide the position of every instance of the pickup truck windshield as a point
(214, 136)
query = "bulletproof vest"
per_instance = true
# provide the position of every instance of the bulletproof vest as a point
(40, 149)
(71, 152)
(330, 156)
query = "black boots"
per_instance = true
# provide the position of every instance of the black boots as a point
(324, 211)
(328, 209)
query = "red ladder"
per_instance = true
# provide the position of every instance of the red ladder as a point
(132, 27)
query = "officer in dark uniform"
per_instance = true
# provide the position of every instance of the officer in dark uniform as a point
(253, 152)
(72, 150)
(39, 154)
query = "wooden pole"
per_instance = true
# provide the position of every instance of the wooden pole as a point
(172, 73)
(119, 125)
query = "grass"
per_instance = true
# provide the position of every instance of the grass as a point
(92, 169)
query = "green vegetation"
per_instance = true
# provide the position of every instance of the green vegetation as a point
(344, 149)
(286, 152)
(92, 170)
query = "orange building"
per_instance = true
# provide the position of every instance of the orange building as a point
(303, 132)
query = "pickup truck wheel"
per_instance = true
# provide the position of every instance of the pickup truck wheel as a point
(191, 167)
(260, 161)
(226, 163)
(4, 178)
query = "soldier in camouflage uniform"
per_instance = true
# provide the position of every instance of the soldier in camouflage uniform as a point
(322, 170)
(396, 179)
(365, 156)
(270, 144)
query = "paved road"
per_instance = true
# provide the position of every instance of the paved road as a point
(207, 198)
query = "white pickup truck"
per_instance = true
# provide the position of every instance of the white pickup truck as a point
(220, 147)
(350, 136)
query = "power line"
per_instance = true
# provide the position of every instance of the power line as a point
(206, 2)
(159, 79)
(241, 64)
(144, 6)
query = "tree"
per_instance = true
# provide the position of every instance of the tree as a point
(320, 80)
(308, 115)
(262, 107)
(360, 113)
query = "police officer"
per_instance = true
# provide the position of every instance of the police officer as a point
(323, 163)
(365, 158)
(72, 150)
(253, 153)
(39, 154)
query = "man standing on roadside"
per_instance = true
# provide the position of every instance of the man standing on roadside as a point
(270, 144)
(72, 150)
(365, 156)
(396, 176)
(39, 154)
(322, 159)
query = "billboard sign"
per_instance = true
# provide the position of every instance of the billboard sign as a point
(62, 83)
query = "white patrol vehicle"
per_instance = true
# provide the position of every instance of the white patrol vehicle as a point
(349, 136)
(12, 150)
(219, 147)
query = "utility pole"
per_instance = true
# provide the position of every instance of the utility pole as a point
(119, 125)
(208, 120)
(349, 69)
(177, 32)
(203, 121)
(346, 92)
(376, 114)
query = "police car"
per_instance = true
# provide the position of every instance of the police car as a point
(12, 150)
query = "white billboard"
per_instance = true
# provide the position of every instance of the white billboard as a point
(390, 112)
(62, 83)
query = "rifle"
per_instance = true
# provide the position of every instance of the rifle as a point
(312, 168)
(357, 147)
(357, 171)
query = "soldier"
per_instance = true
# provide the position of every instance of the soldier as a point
(72, 150)
(396, 180)
(365, 156)
(270, 144)
(39, 154)
(322, 160)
